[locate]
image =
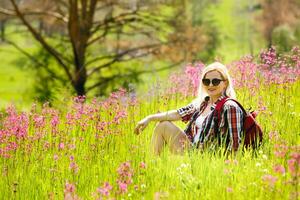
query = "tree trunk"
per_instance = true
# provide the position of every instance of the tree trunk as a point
(2, 27)
(270, 41)
(79, 82)
(41, 27)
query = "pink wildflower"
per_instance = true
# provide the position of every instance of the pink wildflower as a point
(46, 145)
(69, 192)
(71, 146)
(55, 157)
(122, 187)
(39, 121)
(55, 121)
(296, 156)
(142, 165)
(69, 188)
(293, 166)
(105, 189)
(61, 145)
(280, 150)
(271, 180)
(227, 162)
(279, 169)
(229, 189)
(74, 167)
(227, 171)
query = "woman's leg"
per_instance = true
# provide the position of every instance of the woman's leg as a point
(166, 132)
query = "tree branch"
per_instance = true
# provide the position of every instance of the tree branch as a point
(32, 58)
(7, 12)
(32, 13)
(114, 61)
(40, 39)
(117, 57)
(120, 19)
(105, 80)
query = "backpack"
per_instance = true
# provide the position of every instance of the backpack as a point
(253, 134)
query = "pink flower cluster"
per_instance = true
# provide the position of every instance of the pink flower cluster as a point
(248, 72)
(271, 180)
(124, 180)
(105, 189)
(73, 165)
(269, 57)
(244, 74)
(69, 192)
(280, 69)
(14, 129)
(186, 83)
(125, 174)
(281, 150)
(41, 122)
(292, 157)
(294, 164)
(193, 73)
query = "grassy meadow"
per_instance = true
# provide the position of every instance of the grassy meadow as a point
(77, 148)
(87, 150)
(15, 82)
(15, 77)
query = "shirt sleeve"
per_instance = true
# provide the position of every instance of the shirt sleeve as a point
(186, 112)
(234, 116)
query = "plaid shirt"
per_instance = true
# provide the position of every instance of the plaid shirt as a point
(229, 131)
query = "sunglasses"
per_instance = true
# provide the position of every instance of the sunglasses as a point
(215, 81)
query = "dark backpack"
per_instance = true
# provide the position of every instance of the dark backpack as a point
(253, 134)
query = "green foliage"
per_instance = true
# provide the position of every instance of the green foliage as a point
(46, 87)
(198, 16)
(236, 28)
(15, 78)
(284, 37)
(228, 26)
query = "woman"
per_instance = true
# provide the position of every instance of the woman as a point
(216, 84)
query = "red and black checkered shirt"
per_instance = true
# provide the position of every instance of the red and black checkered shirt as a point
(229, 129)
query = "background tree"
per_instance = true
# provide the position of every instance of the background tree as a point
(278, 13)
(93, 40)
(4, 17)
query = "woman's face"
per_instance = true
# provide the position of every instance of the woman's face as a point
(214, 90)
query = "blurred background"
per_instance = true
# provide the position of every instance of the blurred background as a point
(53, 49)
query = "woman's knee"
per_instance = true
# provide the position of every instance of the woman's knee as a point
(162, 125)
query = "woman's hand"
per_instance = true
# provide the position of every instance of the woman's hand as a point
(141, 125)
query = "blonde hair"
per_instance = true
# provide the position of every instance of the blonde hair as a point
(216, 66)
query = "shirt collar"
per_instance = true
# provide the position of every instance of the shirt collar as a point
(215, 103)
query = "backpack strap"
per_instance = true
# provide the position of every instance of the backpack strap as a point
(217, 115)
(219, 107)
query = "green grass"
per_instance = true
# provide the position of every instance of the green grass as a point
(15, 82)
(15, 78)
(32, 173)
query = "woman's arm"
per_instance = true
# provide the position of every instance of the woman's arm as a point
(171, 115)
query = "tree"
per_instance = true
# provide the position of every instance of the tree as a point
(119, 31)
(4, 17)
(276, 13)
